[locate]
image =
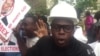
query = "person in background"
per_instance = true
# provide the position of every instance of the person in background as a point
(78, 34)
(33, 29)
(88, 26)
(97, 16)
(96, 44)
(61, 43)
(96, 34)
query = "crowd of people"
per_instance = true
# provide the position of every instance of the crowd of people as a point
(35, 37)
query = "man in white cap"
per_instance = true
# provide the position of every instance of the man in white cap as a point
(62, 42)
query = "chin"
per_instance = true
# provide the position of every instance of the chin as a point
(61, 45)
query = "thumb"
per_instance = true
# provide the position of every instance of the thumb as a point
(36, 32)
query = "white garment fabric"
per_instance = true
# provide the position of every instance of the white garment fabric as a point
(79, 34)
(96, 47)
(31, 41)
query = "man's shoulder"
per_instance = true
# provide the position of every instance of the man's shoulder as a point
(83, 45)
(84, 48)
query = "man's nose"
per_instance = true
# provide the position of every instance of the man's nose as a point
(61, 31)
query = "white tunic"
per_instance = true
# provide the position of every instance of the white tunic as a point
(79, 35)
(96, 47)
(31, 41)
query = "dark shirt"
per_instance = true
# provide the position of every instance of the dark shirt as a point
(46, 47)
(4, 20)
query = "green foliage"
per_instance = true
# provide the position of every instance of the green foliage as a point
(39, 6)
(84, 4)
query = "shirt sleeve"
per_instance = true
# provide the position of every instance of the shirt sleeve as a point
(89, 52)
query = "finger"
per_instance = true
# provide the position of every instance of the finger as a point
(37, 24)
(40, 23)
(45, 25)
(36, 32)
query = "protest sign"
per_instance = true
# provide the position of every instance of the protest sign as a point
(9, 48)
(11, 12)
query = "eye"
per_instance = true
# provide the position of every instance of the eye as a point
(54, 27)
(68, 27)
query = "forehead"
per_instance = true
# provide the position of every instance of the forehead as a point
(28, 19)
(65, 21)
(9, 1)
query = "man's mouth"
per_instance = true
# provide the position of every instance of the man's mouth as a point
(61, 41)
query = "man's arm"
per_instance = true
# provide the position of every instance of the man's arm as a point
(88, 51)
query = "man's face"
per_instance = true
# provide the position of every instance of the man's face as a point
(8, 4)
(29, 27)
(62, 31)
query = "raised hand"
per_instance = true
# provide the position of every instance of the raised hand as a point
(42, 29)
